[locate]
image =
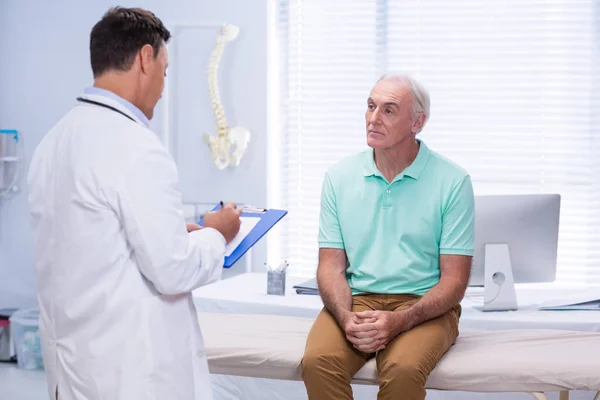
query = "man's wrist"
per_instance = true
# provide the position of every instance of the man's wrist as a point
(341, 315)
(338, 313)
(410, 317)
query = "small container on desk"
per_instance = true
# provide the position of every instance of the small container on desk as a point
(276, 280)
(276, 283)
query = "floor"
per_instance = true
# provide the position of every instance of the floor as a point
(17, 384)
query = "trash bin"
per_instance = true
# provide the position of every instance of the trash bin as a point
(7, 349)
(25, 334)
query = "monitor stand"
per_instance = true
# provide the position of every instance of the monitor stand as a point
(499, 288)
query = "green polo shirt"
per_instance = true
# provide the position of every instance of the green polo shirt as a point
(393, 233)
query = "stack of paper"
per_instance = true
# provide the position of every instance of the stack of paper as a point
(308, 287)
(586, 300)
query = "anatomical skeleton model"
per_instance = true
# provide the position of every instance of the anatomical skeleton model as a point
(229, 145)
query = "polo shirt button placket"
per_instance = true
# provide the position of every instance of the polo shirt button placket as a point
(387, 198)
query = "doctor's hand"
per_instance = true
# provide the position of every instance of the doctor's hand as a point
(226, 221)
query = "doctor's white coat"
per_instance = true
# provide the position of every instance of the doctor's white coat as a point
(115, 264)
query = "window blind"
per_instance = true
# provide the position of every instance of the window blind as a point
(513, 87)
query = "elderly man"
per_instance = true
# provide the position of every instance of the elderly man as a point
(396, 241)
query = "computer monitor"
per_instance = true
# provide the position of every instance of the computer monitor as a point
(519, 236)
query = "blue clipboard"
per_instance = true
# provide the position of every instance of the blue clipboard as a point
(268, 219)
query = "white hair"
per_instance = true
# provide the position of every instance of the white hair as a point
(421, 102)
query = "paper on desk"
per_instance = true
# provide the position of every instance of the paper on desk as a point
(308, 287)
(594, 305)
(248, 223)
(582, 300)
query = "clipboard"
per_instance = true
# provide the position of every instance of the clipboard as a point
(267, 220)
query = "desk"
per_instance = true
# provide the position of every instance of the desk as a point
(246, 294)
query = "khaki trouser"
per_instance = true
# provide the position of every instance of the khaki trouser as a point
(330, 360)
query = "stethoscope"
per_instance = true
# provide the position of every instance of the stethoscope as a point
(97, 103)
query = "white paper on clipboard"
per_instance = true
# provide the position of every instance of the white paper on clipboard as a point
(248, 223)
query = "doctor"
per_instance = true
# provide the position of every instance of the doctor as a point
(114, 261)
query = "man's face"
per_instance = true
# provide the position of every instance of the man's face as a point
(153, 84)
(388, 117)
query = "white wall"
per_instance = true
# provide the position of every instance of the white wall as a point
(44, 65)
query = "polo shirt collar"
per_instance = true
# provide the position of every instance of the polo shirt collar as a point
(414, 170)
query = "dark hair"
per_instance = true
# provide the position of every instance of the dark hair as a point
(120, 34)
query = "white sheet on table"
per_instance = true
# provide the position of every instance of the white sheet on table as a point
(269, 346)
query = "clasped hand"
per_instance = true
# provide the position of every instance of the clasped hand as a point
(371, 331)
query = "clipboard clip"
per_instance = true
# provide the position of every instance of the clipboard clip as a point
(253, 210)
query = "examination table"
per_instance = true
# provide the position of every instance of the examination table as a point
(530, 361)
